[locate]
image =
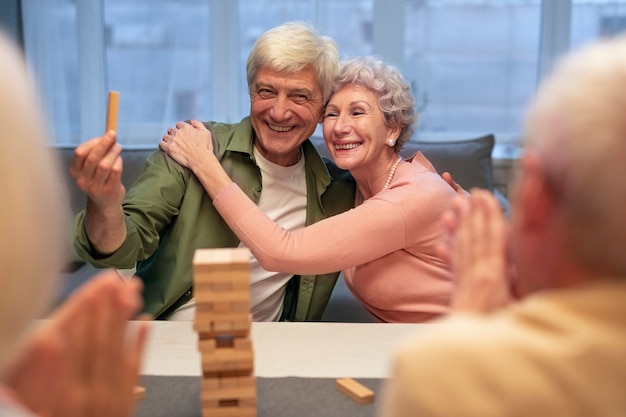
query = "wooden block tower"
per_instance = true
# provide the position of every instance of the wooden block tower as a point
(222, 294)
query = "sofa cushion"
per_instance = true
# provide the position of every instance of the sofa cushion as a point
(469, 161)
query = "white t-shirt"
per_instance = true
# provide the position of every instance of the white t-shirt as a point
(283, 199)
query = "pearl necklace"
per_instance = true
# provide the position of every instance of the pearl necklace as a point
(392, 173)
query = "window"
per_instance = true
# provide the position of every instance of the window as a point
(592, 19)
(473, 64)
(153, 52)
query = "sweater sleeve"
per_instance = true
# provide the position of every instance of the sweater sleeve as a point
(367, 232)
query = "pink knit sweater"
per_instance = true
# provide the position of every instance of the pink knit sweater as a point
(385, 245)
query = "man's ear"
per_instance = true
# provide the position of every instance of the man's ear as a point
(532, 194)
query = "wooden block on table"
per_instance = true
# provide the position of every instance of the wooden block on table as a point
(229, 411)
(139, 392)
(355, 390)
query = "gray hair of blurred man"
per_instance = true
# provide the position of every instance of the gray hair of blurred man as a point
(33, 213)
(576, 125)
(394, 94)
(290, 48)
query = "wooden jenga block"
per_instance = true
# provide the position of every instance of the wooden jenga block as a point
(223, 322)
(228, 374)
(229, 316)
(139, 392)
(112, 109)
(222, 256)
(223, 306)
(214, 265)
(226, 316)
(233, 394)
(355, 390)
(222, 326)
(240, 305)
(211, 325)
(218, 279)
(242, 343)
(227, 360)
(208, 296)
(210, 383)
(222, 286)
(229, 411)
(216, 329)
(209, 344)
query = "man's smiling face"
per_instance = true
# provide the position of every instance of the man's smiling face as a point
(285, 109)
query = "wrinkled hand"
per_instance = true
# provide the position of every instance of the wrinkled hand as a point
(478, 253)
(187, 143)
(84, 360)
(97, 170)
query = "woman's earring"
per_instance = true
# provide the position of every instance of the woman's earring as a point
(391, 142)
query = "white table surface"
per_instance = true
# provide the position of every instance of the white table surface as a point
(315, 350)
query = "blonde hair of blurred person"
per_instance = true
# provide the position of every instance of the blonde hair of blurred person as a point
(58, 367)
(33, 212)
(581, 109)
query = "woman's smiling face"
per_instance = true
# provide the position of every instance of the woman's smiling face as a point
(355, 130)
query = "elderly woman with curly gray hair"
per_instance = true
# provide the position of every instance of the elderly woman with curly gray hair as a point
(387, 244)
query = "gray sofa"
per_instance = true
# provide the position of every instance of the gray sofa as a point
(469, 162)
